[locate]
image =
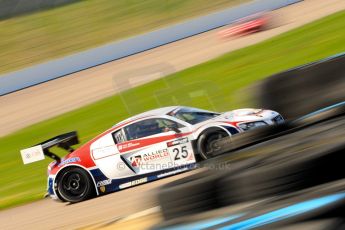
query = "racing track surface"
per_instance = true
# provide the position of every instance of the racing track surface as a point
(62, 95)
(28, 106)
(47, 214)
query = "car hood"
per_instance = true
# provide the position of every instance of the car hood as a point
(248, 114)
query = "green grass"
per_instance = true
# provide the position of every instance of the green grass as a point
(54, 33)
(215, 85)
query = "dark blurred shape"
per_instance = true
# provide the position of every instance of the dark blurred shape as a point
(305, 89)
(190, 195)
(318, 208)
(12, 8)
(296, 170)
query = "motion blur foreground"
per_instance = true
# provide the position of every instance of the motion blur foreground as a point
(285, 177)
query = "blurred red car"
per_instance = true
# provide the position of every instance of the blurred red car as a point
(251, 24)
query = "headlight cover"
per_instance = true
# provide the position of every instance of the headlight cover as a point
(252, 125)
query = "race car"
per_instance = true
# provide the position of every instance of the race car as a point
(247, 25)
(143, 148)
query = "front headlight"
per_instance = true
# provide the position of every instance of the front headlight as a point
(251, 125)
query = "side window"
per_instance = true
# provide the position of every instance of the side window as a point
(166, 123)
(119, 136)
(149, 127)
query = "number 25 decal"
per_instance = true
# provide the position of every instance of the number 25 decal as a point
(180, 152)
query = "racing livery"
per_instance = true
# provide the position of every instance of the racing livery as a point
(143, 148)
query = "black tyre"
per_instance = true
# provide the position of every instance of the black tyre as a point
(188, 195)
(208, 143)
(196, 193)
(75, 185)
(284, 174)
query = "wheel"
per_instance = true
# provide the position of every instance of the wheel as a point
(207, 143)
(74, 185)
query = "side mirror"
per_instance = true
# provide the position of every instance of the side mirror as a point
(175, 129)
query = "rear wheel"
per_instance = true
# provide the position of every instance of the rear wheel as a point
(74, 185)
(208, 145)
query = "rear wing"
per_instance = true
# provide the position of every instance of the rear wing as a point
(37, 152)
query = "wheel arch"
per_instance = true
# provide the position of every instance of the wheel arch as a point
(215, 128)
(202, 132)
(63, 169)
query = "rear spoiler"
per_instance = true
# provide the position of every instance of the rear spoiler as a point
(37, 152)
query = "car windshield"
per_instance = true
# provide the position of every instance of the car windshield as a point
(193, 116)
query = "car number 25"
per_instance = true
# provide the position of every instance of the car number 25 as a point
(180, 152)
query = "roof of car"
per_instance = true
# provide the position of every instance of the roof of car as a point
(154, 112)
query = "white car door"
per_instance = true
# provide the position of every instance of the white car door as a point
(156, 144)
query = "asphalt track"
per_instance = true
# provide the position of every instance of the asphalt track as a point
(48, 214)
(67, 93)
(29, 106)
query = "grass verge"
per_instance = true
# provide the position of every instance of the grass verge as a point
(213, 85)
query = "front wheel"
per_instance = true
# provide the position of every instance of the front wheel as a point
(74, 185)
(207, 143)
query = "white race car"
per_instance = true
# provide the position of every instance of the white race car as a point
(146, 147)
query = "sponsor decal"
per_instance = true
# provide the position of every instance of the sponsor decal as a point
(258, 112)
(138, 160)
(139, 181)
(103, 182)
(102, 189)
(32, 154)
(106, 151)
(230, 116)
(191, 157)
(70, 160)
(127, 145)
(172, 172)
(177, 142)
(162, 153)
(132, 183)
